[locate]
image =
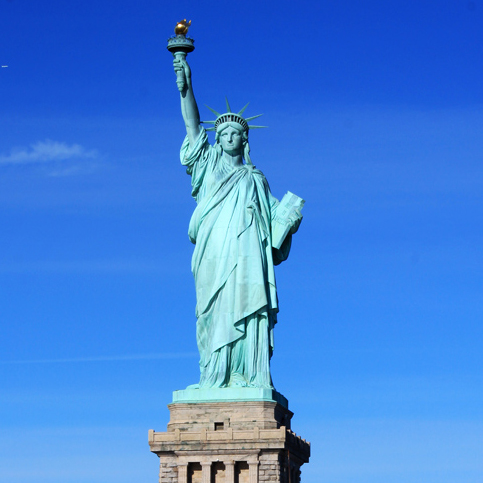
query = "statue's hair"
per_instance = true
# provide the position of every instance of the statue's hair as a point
(246, 146)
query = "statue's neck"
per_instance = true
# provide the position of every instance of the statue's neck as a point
(233, 160)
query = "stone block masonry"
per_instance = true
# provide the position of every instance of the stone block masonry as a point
(229, 442)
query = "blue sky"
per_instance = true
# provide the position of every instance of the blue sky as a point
(375, 114)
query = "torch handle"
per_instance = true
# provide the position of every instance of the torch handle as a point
(180, 74)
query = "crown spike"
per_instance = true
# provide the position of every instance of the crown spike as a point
(213, 111)
(231, 116)
(253, 117)
(228, 108)
(243, 109)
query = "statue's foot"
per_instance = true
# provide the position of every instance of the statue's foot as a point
(237, 380)
(193, 386)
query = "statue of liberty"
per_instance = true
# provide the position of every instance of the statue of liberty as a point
(235, 254)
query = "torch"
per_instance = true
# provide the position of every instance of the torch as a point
(180, 46)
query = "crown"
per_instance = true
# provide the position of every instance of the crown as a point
(231, 116)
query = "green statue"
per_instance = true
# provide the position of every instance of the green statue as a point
(240, 232)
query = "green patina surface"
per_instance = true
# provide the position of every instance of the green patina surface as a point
(234, 255)
(229, 394)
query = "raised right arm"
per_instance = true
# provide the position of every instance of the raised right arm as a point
(189, 108)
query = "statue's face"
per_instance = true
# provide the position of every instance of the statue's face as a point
(231, 140)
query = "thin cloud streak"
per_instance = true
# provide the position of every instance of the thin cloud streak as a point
(85, 266)
(132, 357)
(47, 151)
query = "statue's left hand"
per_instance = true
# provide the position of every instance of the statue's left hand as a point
(295, 221)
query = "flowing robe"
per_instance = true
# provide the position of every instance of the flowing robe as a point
(233, 267)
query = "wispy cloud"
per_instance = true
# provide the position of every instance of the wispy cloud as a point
(86, 266)
(47, 151)
(128, 357)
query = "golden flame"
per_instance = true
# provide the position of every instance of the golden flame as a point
(182, 27)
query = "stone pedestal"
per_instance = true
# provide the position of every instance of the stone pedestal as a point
(229, 442)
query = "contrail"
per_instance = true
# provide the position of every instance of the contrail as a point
(132, 357)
